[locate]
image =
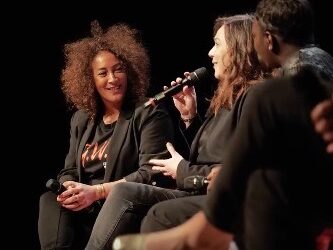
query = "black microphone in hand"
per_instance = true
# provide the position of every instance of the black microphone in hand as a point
(196, 183)
(194, 78)
(55, 186)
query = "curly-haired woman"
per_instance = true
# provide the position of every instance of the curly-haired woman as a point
(112, 136)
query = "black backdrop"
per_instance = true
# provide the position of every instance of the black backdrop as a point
(177, 38)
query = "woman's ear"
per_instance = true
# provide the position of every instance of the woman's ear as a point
(273, 43)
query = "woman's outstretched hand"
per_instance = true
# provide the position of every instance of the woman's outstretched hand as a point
(168, 166)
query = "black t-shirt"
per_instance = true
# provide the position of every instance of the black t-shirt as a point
(94, 155)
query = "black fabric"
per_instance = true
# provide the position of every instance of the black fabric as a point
(140, 134)
(171, 213)
(275, 134)
(94, 155)
(73, 228)
(210, 140)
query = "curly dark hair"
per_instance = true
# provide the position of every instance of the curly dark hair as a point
(77, 78)
(244, 68)
(293, 20)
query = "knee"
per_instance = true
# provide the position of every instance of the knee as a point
(47, 198)
(149, 222)
(124, 190)
(156, 211)
(48, 206)
(156, 219)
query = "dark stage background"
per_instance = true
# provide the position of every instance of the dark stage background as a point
(177, 38)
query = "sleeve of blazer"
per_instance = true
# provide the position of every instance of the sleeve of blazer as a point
(70, 171)
(185, 169)
(155, 129)
(190, 132)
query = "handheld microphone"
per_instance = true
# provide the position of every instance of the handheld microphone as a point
(196, 182)
(58, 188)
(194, 78)
(55, 186)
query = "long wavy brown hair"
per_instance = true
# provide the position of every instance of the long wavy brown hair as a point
(77, 76)
(244, 68)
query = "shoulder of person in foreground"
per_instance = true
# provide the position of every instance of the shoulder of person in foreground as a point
(276, 129)
(278, 111)
(306, 87)
(319, 60)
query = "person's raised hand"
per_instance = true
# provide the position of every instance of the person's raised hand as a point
(322, 118)
(168, 166)
(186, 100)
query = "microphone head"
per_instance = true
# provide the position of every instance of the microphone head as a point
(199, 75)
(55, 186)
(195, 182)
(195, 77)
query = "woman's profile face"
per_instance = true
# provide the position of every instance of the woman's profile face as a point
(110, 78)
(219, 53)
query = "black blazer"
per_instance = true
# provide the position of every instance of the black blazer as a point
(140, 134)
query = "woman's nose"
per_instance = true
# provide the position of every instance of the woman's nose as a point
(112, 77)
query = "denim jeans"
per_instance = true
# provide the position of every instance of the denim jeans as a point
(123, 210)
(62, 229)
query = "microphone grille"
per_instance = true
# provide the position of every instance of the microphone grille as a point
(53, 185)
(201, 74)
(195, 182)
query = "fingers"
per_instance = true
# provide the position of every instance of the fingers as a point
(321, 110)
(323, 125)
(69, 184)
(322, 116)
(73, 188)
(158, 168)
(330, 148)
(189, 90)
(157, 162)
(186, 74)
(171, 149)
(68, 193)
(178, 81)
(75, 205)
(76, 198)
(328, 136)
(163, 170)
(210, 176)
(180, 98)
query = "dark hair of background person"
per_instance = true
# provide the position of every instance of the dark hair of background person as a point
(275, 16)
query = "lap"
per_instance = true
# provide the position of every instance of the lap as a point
(171, 213)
